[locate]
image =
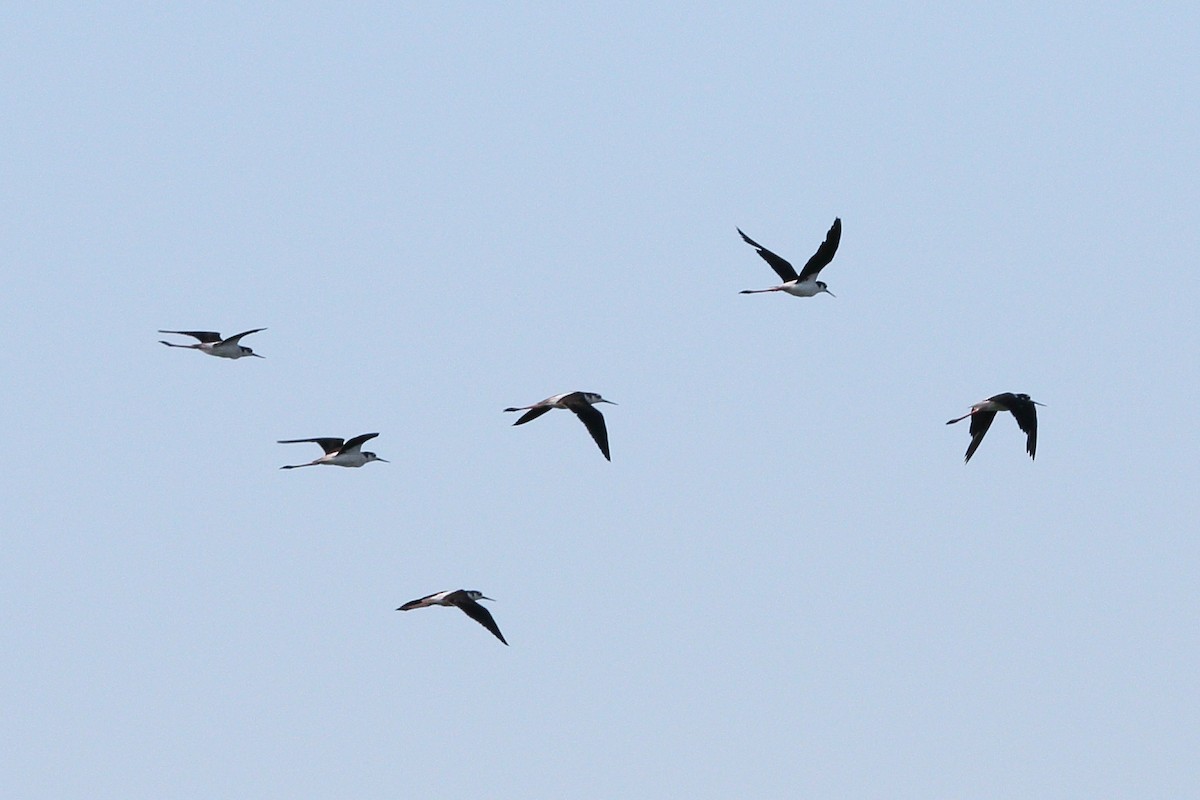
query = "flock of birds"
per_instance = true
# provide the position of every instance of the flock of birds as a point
(349, 452)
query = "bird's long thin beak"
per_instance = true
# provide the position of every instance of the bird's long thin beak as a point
(384, 460)
(831, 294)
(602, 400)
(1036, 403)
(256, 355)
(487, 598)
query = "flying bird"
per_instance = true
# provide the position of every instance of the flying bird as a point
(805, 284)
(338, 452)
(582, 404)
(464, 599)
(1023, 409)
(210, 342)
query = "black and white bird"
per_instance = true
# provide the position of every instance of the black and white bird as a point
(338, 452)
(210, 342)
(805, 284)
(1023, 409)
(583, 406)
(464, 599)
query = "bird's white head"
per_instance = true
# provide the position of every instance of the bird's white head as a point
(372, 457)
(475, 594)
(246, 351)
(593, 398)
(821, 285)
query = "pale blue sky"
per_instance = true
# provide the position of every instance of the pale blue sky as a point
(786, 584)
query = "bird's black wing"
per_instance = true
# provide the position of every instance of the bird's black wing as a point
(783, 268)
(594, 421)
(204, 337)
(1026, 416)
(356, 442)
(420, 602)
(328, 444)
(484, 617)
(235, 338)
(531, 414)
(825, 252)
(980, 422)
